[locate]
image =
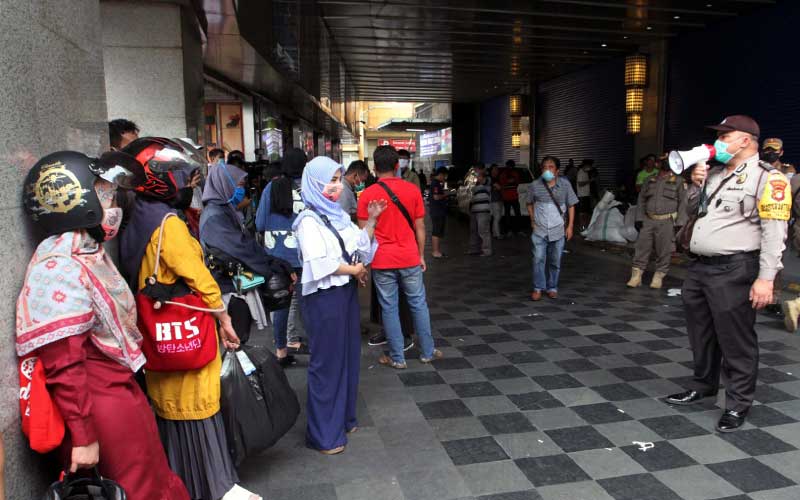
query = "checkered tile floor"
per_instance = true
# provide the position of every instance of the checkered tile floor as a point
(546, 400)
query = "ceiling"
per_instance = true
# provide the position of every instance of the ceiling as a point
(466, 50)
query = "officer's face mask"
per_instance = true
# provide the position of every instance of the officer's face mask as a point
(770, 155)
(724, 155)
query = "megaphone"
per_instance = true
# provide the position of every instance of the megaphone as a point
(679, 161)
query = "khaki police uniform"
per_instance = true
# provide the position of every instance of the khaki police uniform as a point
(741, 238)
(661, 207)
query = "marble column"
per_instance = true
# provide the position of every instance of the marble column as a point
(152, 53)
(52, 97)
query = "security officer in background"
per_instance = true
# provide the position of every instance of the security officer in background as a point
(737, 243)
(660, 210)
(772, 153)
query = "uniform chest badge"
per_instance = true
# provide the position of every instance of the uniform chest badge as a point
(741, 178)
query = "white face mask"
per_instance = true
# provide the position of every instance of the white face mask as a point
(403, 163)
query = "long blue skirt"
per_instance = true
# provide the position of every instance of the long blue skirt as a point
(333, 325)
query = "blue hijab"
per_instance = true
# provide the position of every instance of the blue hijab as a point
(316, 175)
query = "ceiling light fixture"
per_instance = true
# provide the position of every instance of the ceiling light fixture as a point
(416, 130)
(604, 45)
(676, 17)
(649, 28)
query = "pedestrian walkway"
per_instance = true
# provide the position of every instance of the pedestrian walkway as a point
(548, 401)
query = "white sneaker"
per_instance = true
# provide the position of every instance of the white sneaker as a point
(239, 493)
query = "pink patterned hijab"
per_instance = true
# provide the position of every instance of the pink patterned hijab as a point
(72, 287)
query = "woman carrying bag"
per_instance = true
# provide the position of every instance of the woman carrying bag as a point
(280, 204)
(334, 253)
(224, 238)
(76, 325)
(161, 258)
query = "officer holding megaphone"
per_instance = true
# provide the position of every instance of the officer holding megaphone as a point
(736, 235)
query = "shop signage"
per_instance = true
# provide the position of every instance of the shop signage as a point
(409, 145)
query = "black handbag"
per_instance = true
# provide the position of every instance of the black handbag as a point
(93, 487)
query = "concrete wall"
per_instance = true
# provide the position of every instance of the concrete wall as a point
(52, 96)
(143, 54)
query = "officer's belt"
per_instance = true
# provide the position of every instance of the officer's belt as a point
(672, 216)
(719, 260)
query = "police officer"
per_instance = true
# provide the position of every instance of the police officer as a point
(737, 244)
(772, 153)
(660, 209)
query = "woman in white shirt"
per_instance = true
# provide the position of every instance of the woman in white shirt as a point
(334, 253)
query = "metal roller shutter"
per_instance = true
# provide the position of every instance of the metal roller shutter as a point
(760, 78)
(582, 115)
(496, 132)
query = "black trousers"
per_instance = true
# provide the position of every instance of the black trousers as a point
(721, 324)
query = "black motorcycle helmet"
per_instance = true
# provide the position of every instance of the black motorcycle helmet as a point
(86, 487)
(59, 194)
(276, 294)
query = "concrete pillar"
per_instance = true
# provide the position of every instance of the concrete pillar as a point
(651, 138)
(152, 53)
(52, 97)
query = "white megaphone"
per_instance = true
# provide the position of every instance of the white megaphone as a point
(681, 160)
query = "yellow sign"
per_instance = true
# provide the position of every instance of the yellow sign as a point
(776, 200)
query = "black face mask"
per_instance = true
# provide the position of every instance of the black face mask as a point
(184, 198)
(770, 156)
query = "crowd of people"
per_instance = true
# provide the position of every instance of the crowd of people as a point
(195, 229)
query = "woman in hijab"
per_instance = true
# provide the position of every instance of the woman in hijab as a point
(280, 204)
(225, 239)
(186, 403)
(334, 253)
(76, 321)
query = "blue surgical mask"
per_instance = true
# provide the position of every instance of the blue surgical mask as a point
(548, 176)
(238, 191)
(360, 186)
(723, 156)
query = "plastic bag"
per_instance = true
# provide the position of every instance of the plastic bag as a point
(243, 409)
(280, 399)
(258, 404)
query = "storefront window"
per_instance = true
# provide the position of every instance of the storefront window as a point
(223, 126)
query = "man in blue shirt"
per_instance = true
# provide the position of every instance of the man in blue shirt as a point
(550, 199)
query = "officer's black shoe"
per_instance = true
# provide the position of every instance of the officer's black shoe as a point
(774, 309)
(731, 420)
(688, 398)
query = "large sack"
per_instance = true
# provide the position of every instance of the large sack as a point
(607, 221)
(629, 231)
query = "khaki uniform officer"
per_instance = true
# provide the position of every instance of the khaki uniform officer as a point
(737, 247)
(661, 208)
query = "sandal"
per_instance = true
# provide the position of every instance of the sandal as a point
(334, 451)
(437, 354)
(287, 361)
(387, 361)
(353, 430)
(239, 493)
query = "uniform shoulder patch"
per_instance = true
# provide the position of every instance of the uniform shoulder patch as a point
(776, 199)
(766, 166)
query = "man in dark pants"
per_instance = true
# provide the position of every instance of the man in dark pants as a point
(737, 243)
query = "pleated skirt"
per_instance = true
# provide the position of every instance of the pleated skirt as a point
(197, 452)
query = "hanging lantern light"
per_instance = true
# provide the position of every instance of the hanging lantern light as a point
(516, 139)
(515, 105)
(516, 124)
(634, 100)
(634, 123)
(636, 70)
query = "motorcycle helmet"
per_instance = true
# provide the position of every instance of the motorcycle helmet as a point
(276, 294)
(167, 166)
(93, 487)
(59, 194)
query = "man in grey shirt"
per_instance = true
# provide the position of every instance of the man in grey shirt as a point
(550, 198)
(354, 179)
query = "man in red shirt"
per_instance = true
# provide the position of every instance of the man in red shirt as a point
(399, 261)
